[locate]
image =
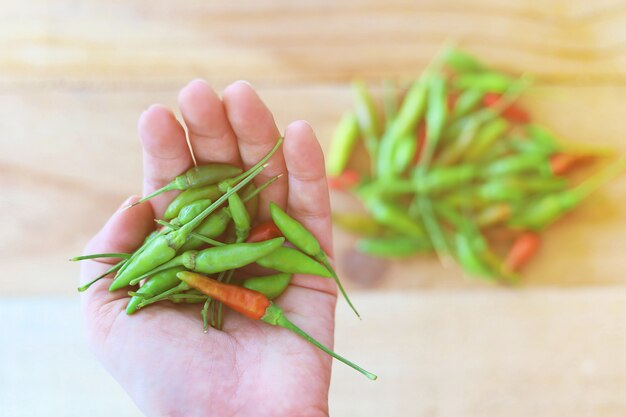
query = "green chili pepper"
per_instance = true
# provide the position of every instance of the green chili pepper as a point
(518, 163)
(404, 154)
(468, 259)
(369, 120)
(460, 61)
(436, 116)
(440, 179)
(395, 218)
(241, 217)
(342, 144)
(409, 115)
(219, 258)
(187, 197)
(455, 149)
(271, 285)
(485, 137)
(393, 247)
(293, 261)
(196, 177)
(164, 247)
(433, 229)
(156, 285)
(212, 227)
(487, 81)
(189, 212)
(304, 240)
(357, 223)
(545, 210)
(468, 100)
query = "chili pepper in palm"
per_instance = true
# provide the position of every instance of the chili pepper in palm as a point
(394, 217)
(285, 259)
(163, 247)
(486, 136)
(467, 101)
(512, 113)
(543, 211)
(357, 223)
(196, 177)
(347, 179)
(157, 284)
(189, 196)
(100, 255)
(406, 120)
(256, 306)
(270, 286)
(460, 61)
(523, 249)
(390, 100)
(111, 270)
(304, 240)
(180, 288)
(189, 212)
(368, 118)
(219, 258)
(393, 247)
(342, 144)
(487, 81)
(264, 231)
(436, 116)
(241, 217)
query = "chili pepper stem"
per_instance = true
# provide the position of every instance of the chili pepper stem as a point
(261, 163)
(168, 187)
(275, 316)
(109, 271)
(183, 286)
(100, 255)
(174, 262)
(205, 315)
(593, 183)
(205, 239)
(321, 257)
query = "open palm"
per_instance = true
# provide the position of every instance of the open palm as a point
(160, 355)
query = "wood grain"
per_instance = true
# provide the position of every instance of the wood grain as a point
(75, 76)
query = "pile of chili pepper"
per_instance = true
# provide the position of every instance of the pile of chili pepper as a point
(206, 239)
(454, 162)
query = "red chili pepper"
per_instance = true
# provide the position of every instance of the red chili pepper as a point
(264, 231)
(347, 179)
(522, 250)
(513, 113)
(256, 306)
(562, 163)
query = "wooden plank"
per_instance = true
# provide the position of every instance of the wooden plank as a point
(451, 353)
(70, 157)
(54, 44)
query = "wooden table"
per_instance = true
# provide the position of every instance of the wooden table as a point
(74, 76)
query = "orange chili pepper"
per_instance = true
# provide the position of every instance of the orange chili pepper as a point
(522, 250)
(264, 231)
(347, 179)
(256, 306)
(562, 163)
(512, 113)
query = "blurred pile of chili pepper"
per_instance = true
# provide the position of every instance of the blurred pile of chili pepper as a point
(207, 238)
(453, 159)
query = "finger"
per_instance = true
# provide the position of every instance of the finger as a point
(165, 153)
(308, 200)
(210, 134)
(256, 133)
(123, 232)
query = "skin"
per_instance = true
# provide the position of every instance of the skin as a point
(160, 356)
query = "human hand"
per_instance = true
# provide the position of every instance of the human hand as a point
(160, 355)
